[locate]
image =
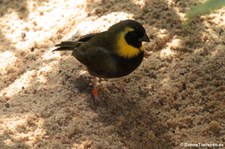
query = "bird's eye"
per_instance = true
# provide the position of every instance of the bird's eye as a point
(133, 35)
(132, 38)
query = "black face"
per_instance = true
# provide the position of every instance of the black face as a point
(133, 38)
(136, 37)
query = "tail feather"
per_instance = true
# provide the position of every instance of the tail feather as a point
(67, 45)
(71, 45)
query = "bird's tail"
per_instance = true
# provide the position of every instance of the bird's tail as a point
(67, 45)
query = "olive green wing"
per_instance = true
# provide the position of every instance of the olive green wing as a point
(73, 44)
(96, 59)
(87, 37)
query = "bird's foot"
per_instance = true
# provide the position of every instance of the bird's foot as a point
(95, 95)
(121, 87)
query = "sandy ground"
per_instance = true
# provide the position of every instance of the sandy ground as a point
(176, 96)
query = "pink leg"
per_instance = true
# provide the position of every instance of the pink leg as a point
(94, 91)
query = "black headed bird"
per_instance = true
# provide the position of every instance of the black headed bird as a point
(110, 54)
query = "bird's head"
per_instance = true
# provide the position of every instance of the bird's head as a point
(130, 35)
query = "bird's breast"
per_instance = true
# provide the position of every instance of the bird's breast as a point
(128, 65)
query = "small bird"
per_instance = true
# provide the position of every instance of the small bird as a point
(109, 54)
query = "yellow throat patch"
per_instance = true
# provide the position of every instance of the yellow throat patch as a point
(124, 49)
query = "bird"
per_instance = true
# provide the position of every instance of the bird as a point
(113, 53)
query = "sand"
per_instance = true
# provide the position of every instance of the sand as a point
(175, 99)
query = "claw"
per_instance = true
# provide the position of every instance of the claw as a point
(94, 92)
(95, 95)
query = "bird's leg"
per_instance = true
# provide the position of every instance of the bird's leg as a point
(94, 91)
(100, 84)
(121, 86)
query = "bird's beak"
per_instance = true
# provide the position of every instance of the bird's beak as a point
(144, 38)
